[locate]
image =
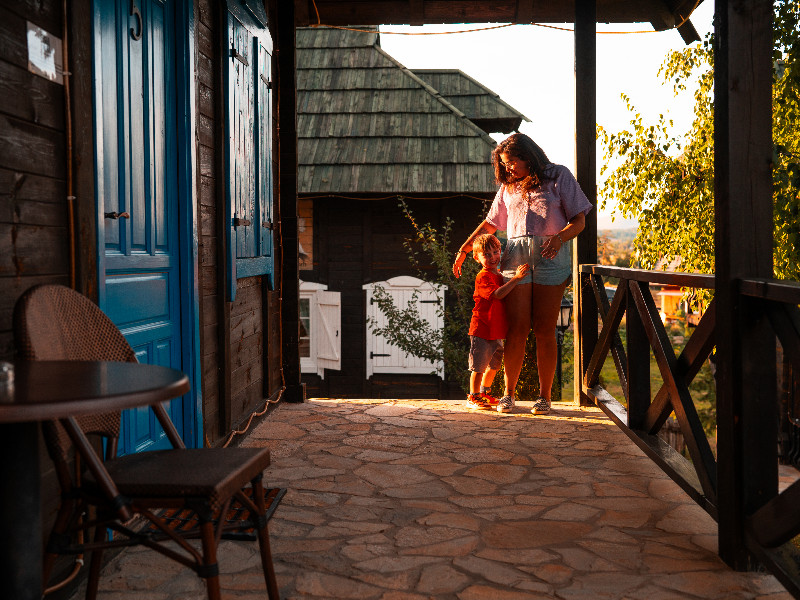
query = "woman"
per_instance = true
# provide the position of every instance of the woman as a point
(541, 207)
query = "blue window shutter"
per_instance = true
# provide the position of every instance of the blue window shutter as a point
(248, 161)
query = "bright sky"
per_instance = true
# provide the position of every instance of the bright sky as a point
(535, 74)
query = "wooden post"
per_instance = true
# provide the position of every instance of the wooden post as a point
(638, 353)
(585, 248)
(746, 389)
(289, 282)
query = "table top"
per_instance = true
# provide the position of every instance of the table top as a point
(44, 390)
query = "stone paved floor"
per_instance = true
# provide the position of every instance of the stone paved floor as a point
(408, 500)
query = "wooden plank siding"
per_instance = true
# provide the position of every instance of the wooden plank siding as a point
(238, 372)
(208, 198)
(34, 239)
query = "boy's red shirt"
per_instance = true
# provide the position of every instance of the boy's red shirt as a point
(489, 315)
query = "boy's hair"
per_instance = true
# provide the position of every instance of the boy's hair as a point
(482, 242)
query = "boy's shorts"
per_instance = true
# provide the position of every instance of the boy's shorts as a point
(485, 354)
(543, 271)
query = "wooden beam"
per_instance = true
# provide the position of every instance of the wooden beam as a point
(416, 11)
(585, 245)
(747, 404)
(379, 12)
(525, 11)
(289, 282)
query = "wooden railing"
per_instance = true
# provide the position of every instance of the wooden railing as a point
(769, 530)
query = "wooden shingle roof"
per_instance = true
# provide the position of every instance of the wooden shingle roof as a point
(478, 103)
(368, 125)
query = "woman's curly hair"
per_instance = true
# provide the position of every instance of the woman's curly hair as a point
(521, 146)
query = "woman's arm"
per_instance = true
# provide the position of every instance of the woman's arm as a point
(551, 247)
(466, 247)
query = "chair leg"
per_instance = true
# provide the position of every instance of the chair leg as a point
(263, 542)
(59, 528)
(210, 565)
(95, 564)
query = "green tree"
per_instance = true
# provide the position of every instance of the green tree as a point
(666, 180)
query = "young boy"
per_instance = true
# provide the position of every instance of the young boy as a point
(488, 326)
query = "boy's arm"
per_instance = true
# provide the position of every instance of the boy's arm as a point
(509, 285)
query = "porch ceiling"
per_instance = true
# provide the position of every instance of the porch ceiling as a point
(662, 14)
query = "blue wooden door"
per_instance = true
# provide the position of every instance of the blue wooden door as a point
(137, 165)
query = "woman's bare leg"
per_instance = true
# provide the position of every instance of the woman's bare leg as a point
(518, 311)
(546, 303)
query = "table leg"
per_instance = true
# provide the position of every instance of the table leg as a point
(20, 511)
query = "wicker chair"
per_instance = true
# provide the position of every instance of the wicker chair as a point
(178, 494)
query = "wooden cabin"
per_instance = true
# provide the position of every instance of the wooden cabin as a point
(153, 165)
(370, 134)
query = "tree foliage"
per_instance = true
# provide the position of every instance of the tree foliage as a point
(665, 180)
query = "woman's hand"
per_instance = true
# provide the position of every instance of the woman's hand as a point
(551, 247)
(461, 255)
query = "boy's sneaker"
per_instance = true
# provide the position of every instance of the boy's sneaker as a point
(489, 399)
(475, 401)
(541, 406)
(505, 404)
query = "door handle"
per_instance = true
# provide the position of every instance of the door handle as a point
(117, 215)
(136, 13)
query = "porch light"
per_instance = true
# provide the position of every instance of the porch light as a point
(565, 316)
(564, 320)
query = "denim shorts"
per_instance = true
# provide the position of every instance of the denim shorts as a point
(485, 353)
(543, 271)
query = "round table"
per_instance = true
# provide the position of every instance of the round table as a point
(45, 390)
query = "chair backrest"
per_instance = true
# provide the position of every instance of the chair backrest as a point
(54, 322)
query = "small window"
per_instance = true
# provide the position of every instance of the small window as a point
(320, 323)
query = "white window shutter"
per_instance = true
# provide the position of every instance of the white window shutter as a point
(329, 340)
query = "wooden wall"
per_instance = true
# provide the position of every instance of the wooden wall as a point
(33, 207)
(361, 241)
(34, 244)
(233, 356)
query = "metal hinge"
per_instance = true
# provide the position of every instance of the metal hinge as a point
(240, 57)
(238, 222)
(374, 354)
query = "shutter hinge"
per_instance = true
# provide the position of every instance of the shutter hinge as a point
(238, 222)
(240, 57)
(266, 81)
(267, 225)
(374, 354)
